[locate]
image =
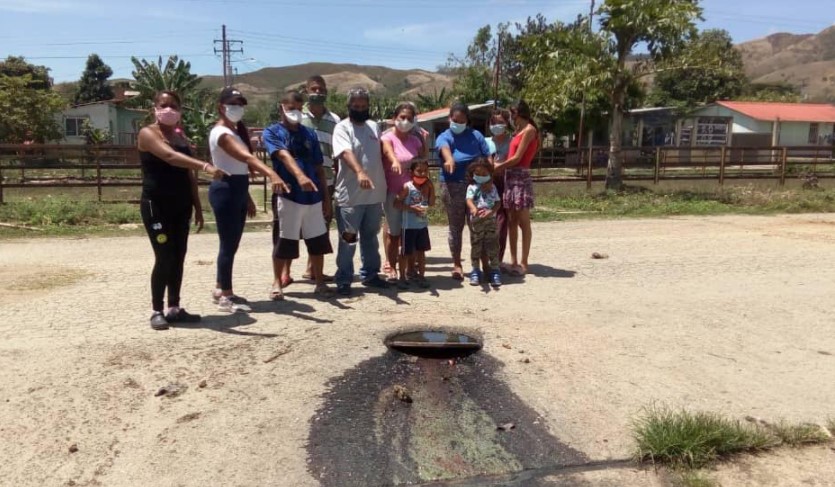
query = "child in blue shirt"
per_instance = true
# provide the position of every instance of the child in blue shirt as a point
(483, 202)
(415, 199)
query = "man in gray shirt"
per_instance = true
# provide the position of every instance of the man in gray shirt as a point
(360, 190)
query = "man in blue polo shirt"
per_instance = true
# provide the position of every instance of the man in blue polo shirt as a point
(297, 157)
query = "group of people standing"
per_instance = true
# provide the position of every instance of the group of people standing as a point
(324, 168)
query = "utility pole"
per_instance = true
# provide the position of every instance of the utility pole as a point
(226, 54)
(583, 104)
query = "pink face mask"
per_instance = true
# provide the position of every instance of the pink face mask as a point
(167, 116)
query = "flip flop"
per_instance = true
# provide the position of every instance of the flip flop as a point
(458, 275)
(516, 270)
(276, 294)
(325, 277)
(287, 282)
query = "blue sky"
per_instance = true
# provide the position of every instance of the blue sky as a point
(396, 33)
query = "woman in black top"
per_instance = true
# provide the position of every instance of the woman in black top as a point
(169, 192)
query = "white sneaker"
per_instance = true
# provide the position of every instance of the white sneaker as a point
(233, 304)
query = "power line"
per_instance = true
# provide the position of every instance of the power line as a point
(347, 54)
(122, 56)
(226, 50)
(386, 49)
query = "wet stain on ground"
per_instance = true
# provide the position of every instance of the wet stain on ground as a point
(366, 435)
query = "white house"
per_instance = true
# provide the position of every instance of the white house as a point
(123, 123)
(758, 124)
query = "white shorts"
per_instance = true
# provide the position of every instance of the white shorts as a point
(296, 221)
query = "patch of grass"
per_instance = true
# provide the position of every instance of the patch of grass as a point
(647, 203)
(693, 440)
(693, 478)
(799, 434)
(65, 211)
(830, 425)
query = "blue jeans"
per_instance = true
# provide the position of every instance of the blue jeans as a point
(363, 222)
(229, 198)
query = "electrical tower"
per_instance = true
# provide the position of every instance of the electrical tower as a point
(226, 52)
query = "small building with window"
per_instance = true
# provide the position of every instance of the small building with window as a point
(123, 123)
(758, 124)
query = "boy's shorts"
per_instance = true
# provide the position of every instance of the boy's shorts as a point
(296, 221)
(415, 240)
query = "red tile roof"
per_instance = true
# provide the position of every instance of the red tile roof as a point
(785, 112)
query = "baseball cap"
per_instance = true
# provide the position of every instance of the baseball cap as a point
(231, 94)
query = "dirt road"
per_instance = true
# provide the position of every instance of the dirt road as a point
(728, 314)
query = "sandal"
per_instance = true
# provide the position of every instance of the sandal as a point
(458, 275)
(287, 282)
(276, 294)
(516, 270)
(309, 277)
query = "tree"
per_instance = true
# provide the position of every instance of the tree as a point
(512, 61)
(199, 105)
(151, 78)
(259, 113)
(16, 67)
(199, 115)
(603, 63)
(28, 108)
(95, 136)
(685, 88)
(785, 93)
(474, 74)
(437, 99)
(93, 84)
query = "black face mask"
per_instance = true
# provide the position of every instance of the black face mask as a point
(358, 116)
(317, 98)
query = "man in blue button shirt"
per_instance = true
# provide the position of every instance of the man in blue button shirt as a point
(297, 157)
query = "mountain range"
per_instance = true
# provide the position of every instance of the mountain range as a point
(806, 61)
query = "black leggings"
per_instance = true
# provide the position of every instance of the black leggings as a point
(167, 224)
(229, 198)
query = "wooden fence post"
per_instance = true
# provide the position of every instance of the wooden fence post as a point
(722, 161)
(657, 165)
(783, 163)
(589, 175)
(98, 172)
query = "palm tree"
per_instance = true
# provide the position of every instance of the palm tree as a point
(433, 101)
(151, 78)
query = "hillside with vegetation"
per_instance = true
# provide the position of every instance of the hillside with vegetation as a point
(805, 61)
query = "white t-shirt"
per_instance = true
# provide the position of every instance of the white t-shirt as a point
(364, 141)
(220, 158)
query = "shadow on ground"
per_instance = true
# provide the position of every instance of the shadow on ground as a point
(366, 435)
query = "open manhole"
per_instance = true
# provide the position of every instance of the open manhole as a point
(434, 344)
